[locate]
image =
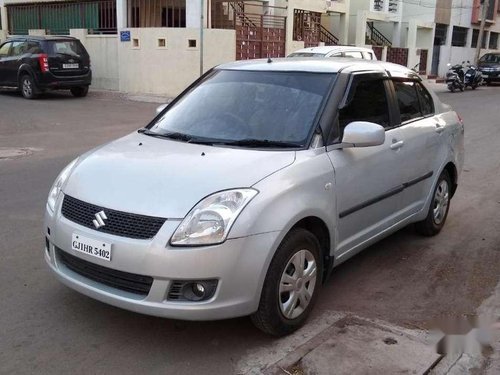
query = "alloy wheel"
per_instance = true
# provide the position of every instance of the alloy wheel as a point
(297, 284)
(27, 87)
(441, 201)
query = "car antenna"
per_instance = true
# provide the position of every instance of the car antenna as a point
(269, 61)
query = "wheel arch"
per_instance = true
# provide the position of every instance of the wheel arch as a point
(453, 173)
(320, 230)
(24, 70)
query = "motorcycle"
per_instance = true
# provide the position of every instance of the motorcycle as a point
(455, 77)
(473, 77)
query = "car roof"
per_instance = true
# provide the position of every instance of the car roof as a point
(318, 65)
(328, 49)
(41, 37)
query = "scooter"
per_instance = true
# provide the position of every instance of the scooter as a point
(473, 77)
(455, 77)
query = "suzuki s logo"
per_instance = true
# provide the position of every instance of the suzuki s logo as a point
(99, 219)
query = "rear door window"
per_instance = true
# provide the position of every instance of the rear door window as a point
(426, 101)
(408, 102)
(34, 48)
(354, 54)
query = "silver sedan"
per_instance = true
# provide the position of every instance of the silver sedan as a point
(242, 195)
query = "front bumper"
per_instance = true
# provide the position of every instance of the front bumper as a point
(239, 265)
(491, 75)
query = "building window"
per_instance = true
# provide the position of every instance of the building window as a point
(440, 34)
(459, 36)
(493, 40)
(475, 37)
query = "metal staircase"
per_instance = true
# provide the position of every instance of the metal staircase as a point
(375, 37)
(327, 37)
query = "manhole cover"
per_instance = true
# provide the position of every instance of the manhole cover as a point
(14, 153)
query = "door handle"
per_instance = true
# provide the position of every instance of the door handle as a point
(396, 145)
(439, 128)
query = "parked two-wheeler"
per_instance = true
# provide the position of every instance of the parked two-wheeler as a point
(455, 77)
(473, 77)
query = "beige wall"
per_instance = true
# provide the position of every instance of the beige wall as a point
(168, 70)
(443, 11)
(103, 51)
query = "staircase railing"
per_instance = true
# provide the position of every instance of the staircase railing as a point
(239, 11)
(327, 37)
(376, 36)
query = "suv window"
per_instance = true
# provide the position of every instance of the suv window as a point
(354, 54)
(408, 103)
(66, 47)
(18, 48)
(426, 101)
(368, 103)
(34, 48)
(4, 50)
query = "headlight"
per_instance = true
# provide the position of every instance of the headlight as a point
(210, 221)
(58, 183)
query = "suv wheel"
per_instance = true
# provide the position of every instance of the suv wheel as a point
(28, 87)
(80, 92)
(291, 286)
(438, 210)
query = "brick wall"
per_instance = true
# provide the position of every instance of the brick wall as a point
(398, 56)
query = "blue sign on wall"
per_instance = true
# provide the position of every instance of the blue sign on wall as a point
(125, 36)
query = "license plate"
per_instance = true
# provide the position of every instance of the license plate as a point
(71, 66)
(89, 246)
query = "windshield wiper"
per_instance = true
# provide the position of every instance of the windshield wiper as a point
(250, 142)
(173, 135)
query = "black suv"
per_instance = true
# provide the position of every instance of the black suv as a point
(35, 64)
(489, 65)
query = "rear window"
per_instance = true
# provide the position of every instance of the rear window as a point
(490, 58)
(66, 47)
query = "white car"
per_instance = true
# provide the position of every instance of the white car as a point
(336, 51)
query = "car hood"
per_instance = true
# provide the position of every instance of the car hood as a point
(159, 177)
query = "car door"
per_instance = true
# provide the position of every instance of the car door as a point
(4, 54)
(367, 180)
(13, 61)
(420, 131)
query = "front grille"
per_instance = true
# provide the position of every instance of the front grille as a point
(128, 282)
(118, 223)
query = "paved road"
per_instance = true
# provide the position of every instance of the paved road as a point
(47, 328)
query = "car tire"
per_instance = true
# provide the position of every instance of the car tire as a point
(439, 207)
(287, 295)
(79, 92)
(28, 87)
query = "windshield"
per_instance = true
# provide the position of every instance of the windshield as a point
(306, 54)
(245, 108)
(490, 58)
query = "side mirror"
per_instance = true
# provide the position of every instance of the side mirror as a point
(363, 134)
(160, 108)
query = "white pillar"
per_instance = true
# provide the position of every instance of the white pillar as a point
(343, 28)
(193, 14)
(361, 29)
(468, 40)
(449, 35)
(121, 14)
(3, 16)
(487, 40)
(396, 34)
(411, 38)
